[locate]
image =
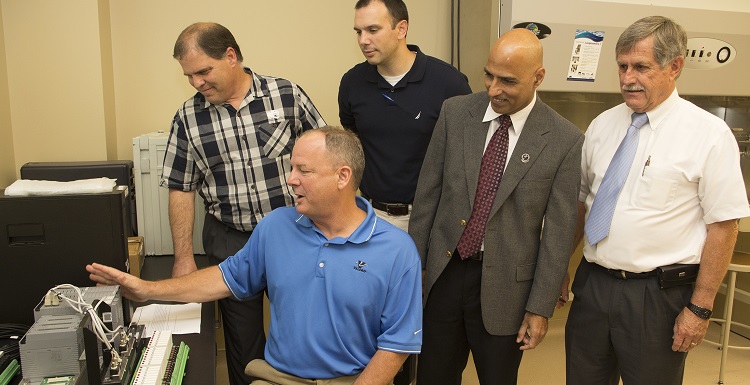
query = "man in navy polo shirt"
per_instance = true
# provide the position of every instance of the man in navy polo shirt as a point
(392, 101)
(344, 285)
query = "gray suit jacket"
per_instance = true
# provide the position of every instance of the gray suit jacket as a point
(532, 222)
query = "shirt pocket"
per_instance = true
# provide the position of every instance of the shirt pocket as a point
(276, 139)
(657, 187)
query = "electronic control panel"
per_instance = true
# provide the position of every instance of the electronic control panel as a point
(708, 53)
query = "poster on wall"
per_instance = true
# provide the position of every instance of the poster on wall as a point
(584, 58)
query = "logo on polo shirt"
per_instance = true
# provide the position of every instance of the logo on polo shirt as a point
(360, 266)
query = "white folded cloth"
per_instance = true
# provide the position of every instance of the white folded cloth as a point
(27, 187)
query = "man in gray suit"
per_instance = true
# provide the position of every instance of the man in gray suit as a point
(494, 296)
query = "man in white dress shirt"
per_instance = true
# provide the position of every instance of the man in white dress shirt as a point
(682, 195)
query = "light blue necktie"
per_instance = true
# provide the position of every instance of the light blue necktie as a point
(600, 218)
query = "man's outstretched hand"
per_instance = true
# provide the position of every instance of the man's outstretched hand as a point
(132, 287)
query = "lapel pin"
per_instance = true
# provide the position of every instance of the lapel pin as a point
(525, 158)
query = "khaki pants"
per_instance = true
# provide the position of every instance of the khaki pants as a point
(269, 376)
(400, 221)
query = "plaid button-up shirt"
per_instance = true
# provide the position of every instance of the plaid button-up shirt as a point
(238, 160)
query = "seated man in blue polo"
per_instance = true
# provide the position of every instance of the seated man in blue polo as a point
(344, 286)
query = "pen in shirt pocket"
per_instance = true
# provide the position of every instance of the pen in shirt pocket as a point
(648, 162)
(408, 111)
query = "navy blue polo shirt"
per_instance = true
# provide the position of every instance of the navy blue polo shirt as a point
(334, 302)
(395, 123)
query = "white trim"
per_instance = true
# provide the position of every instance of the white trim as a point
(227, 282)
(372, 230)
(399, 350)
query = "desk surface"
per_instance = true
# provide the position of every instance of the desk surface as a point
(201, 364)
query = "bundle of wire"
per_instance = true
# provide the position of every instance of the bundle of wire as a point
(81, 307)
(9, 351)
(12, 332)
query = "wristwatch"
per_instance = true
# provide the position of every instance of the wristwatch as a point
(701, 312)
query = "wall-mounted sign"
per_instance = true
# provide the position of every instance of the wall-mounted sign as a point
(584, 58)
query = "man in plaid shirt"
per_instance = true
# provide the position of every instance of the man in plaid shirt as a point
(232, 143)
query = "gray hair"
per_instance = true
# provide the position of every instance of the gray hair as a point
(345, 149)
(670, 39)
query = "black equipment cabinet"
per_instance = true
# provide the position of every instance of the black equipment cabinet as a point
(121, 170)
(48, 240)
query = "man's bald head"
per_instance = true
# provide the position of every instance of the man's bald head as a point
(514, 70)
(518, 44)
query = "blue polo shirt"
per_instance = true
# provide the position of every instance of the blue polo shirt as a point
(334, 302)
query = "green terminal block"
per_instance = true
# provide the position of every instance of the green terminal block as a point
(179, 364)
(140, 359)
(9, 372)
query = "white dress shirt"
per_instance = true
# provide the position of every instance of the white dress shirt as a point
(518, 119)
(685, 175)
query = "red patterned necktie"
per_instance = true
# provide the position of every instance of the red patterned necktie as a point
(490, 174)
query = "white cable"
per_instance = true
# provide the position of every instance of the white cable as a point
(81, 307)
(98, 326)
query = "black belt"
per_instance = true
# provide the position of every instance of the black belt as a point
(622, 274)
(395, 209)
